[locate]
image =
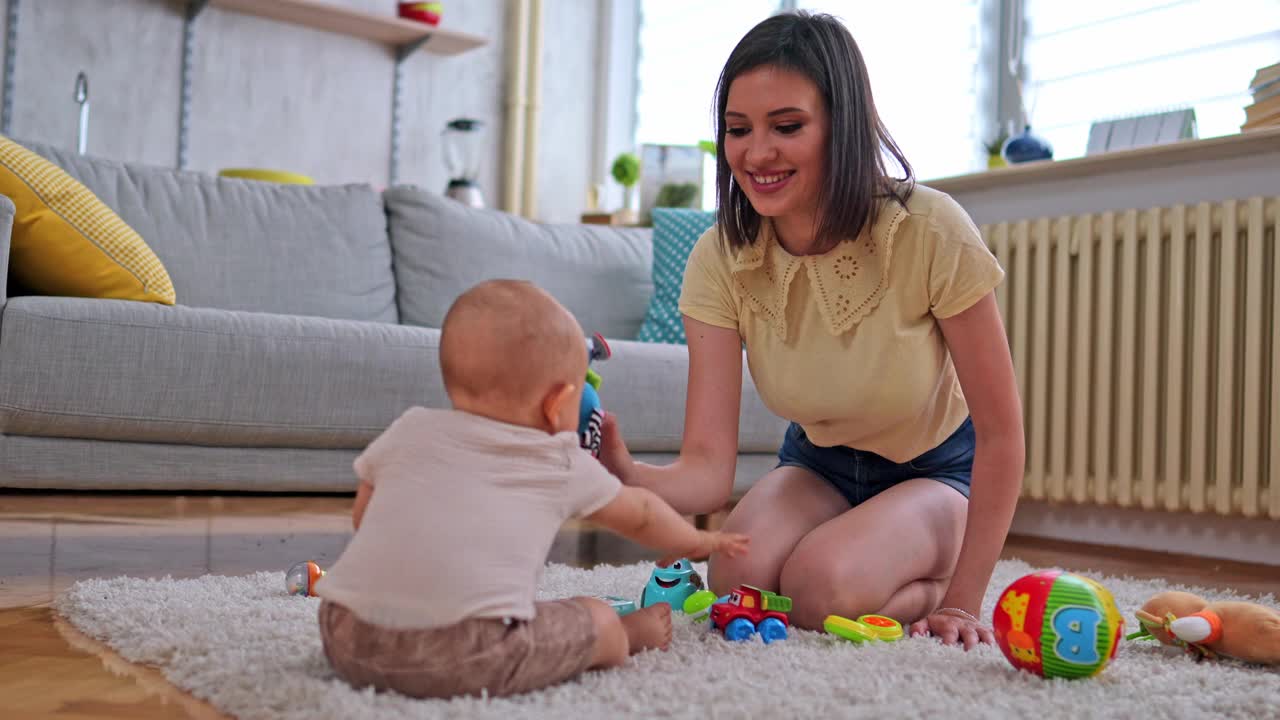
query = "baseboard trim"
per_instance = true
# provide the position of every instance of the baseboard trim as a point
(1250, 540)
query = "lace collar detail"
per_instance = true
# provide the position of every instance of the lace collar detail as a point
(848, 281)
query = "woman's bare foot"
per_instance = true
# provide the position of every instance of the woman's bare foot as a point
(648, 628)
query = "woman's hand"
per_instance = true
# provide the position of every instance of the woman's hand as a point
(613, 451)
(952, 627)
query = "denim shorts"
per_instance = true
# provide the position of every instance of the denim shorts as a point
(860, 475)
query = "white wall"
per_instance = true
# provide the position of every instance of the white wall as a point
(268, 94)
(1253, 540)
(566, 123)
(131, 89)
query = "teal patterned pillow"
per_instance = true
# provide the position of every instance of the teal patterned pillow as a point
(675, 230)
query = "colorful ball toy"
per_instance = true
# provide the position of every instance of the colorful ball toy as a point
(301, 578)
(1058, 624)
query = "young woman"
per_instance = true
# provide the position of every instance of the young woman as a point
(865, 306)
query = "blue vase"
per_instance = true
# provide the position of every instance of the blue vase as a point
(1026, 147)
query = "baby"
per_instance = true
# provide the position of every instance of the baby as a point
(457, 509)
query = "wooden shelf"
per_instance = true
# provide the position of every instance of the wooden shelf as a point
(1223, 147)
(386, 29)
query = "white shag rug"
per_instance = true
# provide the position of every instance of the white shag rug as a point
(252, 651)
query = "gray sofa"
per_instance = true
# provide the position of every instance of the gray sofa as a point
(305, 323)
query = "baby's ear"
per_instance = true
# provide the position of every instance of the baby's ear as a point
(553, 406)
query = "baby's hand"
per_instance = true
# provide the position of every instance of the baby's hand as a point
(731, 544)
(613, 451)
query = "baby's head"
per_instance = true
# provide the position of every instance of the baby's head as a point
(510, 352)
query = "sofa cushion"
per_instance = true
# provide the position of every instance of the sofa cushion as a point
(675, 230)
(98, 465)
(119, 370)
(644, 384)
(140, 372)
(58, 463)
(67, 242)
(442, 248)
(246, 245)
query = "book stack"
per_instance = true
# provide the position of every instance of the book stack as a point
(1265, 110)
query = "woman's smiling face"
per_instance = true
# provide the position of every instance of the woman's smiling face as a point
(776, 126)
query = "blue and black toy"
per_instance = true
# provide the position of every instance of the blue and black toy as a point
(590, 411)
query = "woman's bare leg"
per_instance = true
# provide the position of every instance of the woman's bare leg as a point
(779, 509)
(892, 555)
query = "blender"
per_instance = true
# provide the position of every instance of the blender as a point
(461, 139)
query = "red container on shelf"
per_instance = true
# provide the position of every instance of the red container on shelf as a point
(424, 12)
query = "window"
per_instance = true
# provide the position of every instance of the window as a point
(926, 77)
(924, 67)
(1092, 60)
(940, 77)
(682, 48)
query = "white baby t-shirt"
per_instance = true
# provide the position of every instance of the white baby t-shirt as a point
(463, 513)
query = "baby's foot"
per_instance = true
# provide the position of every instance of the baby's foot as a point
(648, 628)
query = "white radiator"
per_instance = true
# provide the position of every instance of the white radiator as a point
(1148, 355)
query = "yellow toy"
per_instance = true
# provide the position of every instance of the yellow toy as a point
(1241, 630)
(865, 629)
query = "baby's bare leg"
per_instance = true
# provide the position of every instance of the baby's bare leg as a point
(648, 628)
(611, 645)
(618, 637)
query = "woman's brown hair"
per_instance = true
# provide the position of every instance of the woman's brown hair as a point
(819, 47)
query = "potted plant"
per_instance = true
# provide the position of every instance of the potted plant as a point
(995, 150)
(626, 171)
(672, 195)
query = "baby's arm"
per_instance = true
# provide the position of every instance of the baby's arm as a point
(363, 493)
(364, 467)
(638, 514)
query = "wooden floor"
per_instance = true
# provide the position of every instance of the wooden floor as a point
(49, 541)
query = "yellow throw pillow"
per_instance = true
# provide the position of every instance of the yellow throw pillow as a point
(67, 242)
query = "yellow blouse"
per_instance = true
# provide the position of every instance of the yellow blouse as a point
(850, 348)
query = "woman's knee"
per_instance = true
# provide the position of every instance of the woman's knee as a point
(812, 587)
(725, 573)
(818, 588)
(759, 567)
(778, 512)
